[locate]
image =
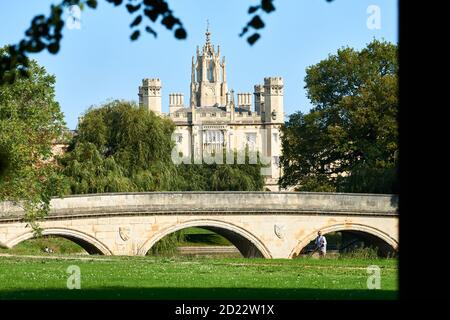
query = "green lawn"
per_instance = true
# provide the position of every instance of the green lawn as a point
(199, 278)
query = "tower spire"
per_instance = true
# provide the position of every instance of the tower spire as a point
(208, 34)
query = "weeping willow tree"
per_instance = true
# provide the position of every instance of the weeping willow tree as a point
(120, 147)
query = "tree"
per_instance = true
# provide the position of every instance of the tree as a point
(30, 120)
(349, 141)
(89, 172)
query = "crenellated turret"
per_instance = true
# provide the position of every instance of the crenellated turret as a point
(273, 100)
(150, 94)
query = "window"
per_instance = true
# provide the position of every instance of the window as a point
(179, 138)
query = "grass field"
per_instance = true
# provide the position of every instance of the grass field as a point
(23, 277)
(28, 273)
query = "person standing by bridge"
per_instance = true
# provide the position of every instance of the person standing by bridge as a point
(321, 244)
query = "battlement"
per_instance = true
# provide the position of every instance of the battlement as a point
(248, 114)
(179, 115)
(269, 81)
(151, 82)
(259, 88)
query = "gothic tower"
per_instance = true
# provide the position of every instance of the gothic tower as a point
(208, 76)
(273, 112)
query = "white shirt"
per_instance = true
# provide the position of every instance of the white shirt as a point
(321, 242)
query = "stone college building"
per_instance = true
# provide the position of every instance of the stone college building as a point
(213, 120)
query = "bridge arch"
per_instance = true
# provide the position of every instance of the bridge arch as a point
(87, 242)
(386, 239)
(247, 243)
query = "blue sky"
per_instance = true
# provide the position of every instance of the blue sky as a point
(99, 62)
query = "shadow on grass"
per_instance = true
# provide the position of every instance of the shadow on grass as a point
(200, 293)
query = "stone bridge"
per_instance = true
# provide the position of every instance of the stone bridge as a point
(259, 224)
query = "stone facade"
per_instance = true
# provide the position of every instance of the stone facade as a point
(214, 120)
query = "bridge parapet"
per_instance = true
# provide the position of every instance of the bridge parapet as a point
(213, 203)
